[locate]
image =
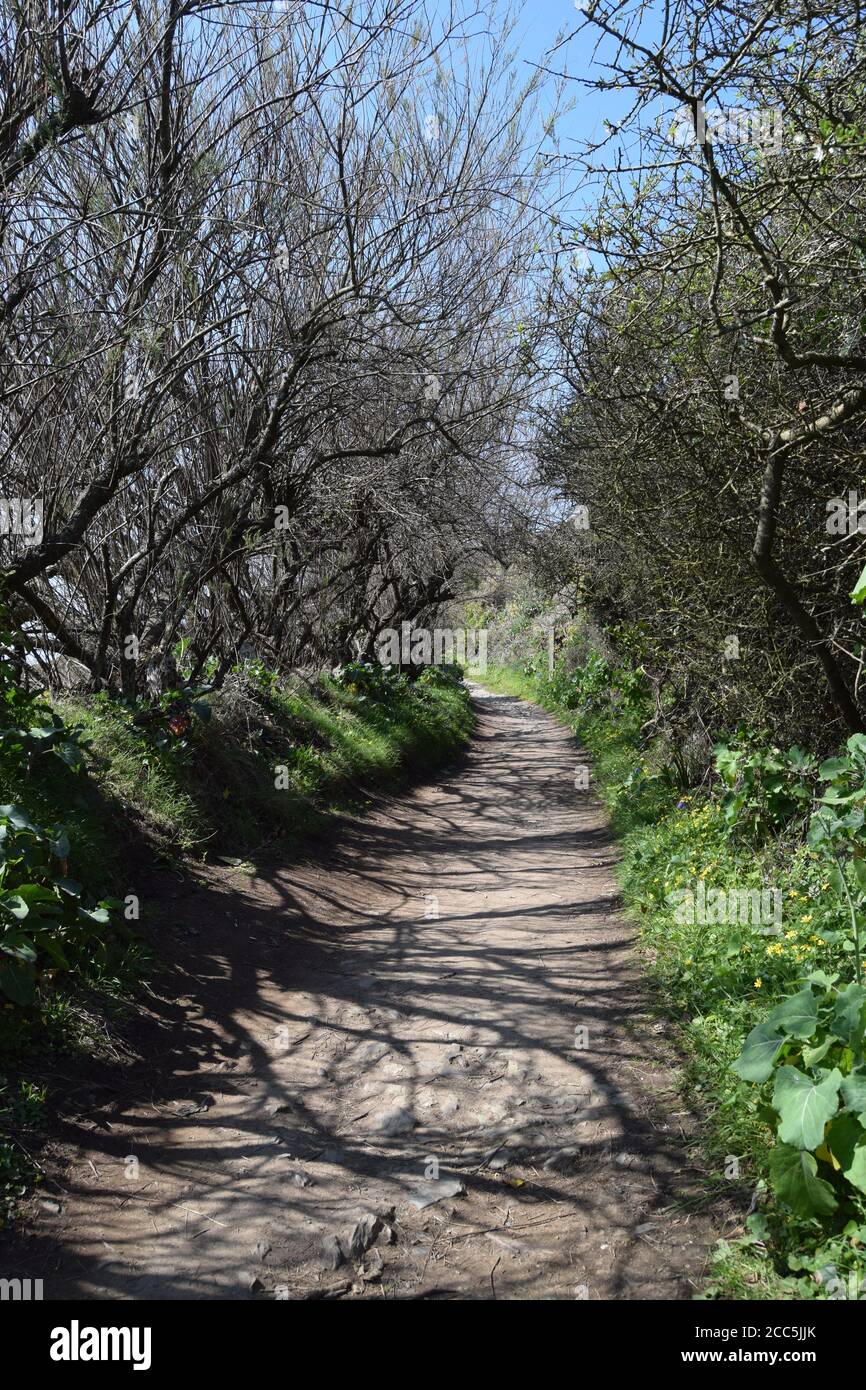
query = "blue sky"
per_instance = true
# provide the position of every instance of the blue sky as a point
(539, 24)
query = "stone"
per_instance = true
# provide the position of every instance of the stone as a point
(427, 1193)
(393, 1121)
(333, 1252)
(293, 1176)
(364, 1234)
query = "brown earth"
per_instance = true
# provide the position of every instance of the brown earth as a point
(449, 986)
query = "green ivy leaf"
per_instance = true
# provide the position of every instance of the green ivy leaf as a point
(794, 1175)
(804, 1106)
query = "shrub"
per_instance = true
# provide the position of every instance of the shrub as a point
(46, 924)
(812, 1046)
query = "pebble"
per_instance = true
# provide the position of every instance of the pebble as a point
(426, 1193)
(394, 1121)
(364, 1234)
(333, 1252)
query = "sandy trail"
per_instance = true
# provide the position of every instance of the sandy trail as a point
(339, 1031)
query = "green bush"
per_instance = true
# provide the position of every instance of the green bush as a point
(46, 924)
(812, 1046)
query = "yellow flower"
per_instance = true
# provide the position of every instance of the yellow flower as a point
(758, 984)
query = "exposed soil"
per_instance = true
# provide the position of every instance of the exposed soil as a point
(330, 1031)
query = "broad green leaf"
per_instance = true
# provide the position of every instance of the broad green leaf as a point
(819, 830)
(760, 1050)
(68, 886)
(17, 983)
(59, 845)
(856, 1170)
(14, 904)
(853, 1090)
(832, 767)
(797, 1016)
(70, 754)
(849, 1013)
(821, 979)
(794, 1175)
(35, 893)
(41, 735)
(97, 914)
(835, 797)
(18, 947)
(804, 1106)
(799, 758)
(17, 818)
(846, 1140)
(813, 1055)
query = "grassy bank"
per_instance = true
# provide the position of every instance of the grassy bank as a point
(719, 981)
(91, 788)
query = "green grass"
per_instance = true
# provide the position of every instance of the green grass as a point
(219, 792)
(714, 982)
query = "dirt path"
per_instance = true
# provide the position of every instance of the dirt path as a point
(330, 1040)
